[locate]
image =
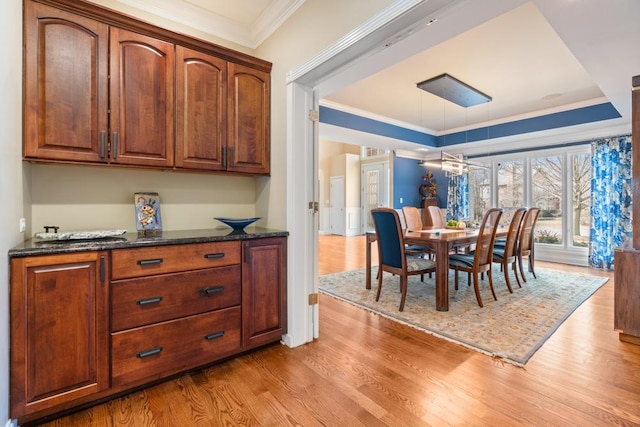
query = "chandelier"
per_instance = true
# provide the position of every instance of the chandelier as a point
(452, 164)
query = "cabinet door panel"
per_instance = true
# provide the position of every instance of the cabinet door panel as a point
(627, 292)
(59, 343)
(200, 110)
(249, 131)
(264, 298)
(142, 99)
(66, 59)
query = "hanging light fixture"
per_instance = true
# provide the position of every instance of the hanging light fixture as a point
(454, 90)
(452, 164)
(451, 89)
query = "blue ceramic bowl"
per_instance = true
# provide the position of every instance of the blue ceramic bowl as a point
(238, 224)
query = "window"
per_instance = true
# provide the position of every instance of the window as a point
(479, 193)
(369, 152)
(546, 192)
(581, 198)
(510, 184)
(558, 181)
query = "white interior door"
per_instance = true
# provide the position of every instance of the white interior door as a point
(338, 217)
(375, 190)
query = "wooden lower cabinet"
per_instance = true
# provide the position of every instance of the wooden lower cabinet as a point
(626, 302)
(87, 325)
(264, 295)
(59, 330)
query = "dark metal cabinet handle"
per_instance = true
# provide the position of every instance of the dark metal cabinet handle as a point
(212, 290)
(213, 256)
(214, 335)
(150, 261)
(247, 255)
(224, 157)
(102, 270)
(103, 135)
(115, 145)
(148, 301)
(150, 352)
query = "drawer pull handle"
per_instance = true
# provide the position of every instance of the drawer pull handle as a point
(150, 352)
(148, 301)
(214, 335)
(213, 256)
(212, 290)
(150, 261)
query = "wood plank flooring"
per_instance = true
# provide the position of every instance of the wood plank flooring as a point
(366, 370)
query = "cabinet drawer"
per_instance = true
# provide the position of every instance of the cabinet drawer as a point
(165, 348)
(146, 300)
(138, 262)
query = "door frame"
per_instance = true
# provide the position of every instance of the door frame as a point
(304, 87)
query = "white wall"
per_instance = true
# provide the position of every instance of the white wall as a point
(313, 27)
(82, 198)
(11, 174)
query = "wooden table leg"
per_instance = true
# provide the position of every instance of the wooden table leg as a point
(442, 276)
(367, 270)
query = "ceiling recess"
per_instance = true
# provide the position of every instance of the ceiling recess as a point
(454, 90)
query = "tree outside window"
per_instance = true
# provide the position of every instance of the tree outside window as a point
(546, 180)
(479, 193)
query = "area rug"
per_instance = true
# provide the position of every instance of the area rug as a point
(511, 328)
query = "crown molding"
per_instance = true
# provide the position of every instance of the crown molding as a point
(206, 21)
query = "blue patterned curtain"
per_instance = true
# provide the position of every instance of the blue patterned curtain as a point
(458, 197)
(610, 198)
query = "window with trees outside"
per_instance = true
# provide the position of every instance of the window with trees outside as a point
(558, 181)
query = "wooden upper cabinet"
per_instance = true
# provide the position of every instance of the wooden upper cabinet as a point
(142, 99)
(65, 89)
(201, 94)
(101, 87)
(249, 103)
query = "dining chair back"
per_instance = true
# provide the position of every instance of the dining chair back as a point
(480, 260)
(413, 221)
(412, 218)
(436, 216)
(391, 252)
(506, 254)
(526, 241)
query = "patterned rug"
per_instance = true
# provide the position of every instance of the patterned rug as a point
(512, 328)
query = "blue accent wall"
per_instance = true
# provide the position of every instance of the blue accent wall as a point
(578, 116)
(407, 178)
(351, 121)
(594, 113)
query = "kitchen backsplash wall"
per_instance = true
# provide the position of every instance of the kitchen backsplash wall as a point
(86, 198)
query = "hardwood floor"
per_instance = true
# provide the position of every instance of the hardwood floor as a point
(366, 370)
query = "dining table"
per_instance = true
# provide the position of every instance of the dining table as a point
(441, 241)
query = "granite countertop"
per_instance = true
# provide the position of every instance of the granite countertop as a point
(35, 247)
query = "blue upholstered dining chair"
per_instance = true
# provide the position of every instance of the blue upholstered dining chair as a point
(506, 254)
(391, 252)
(480, 260)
